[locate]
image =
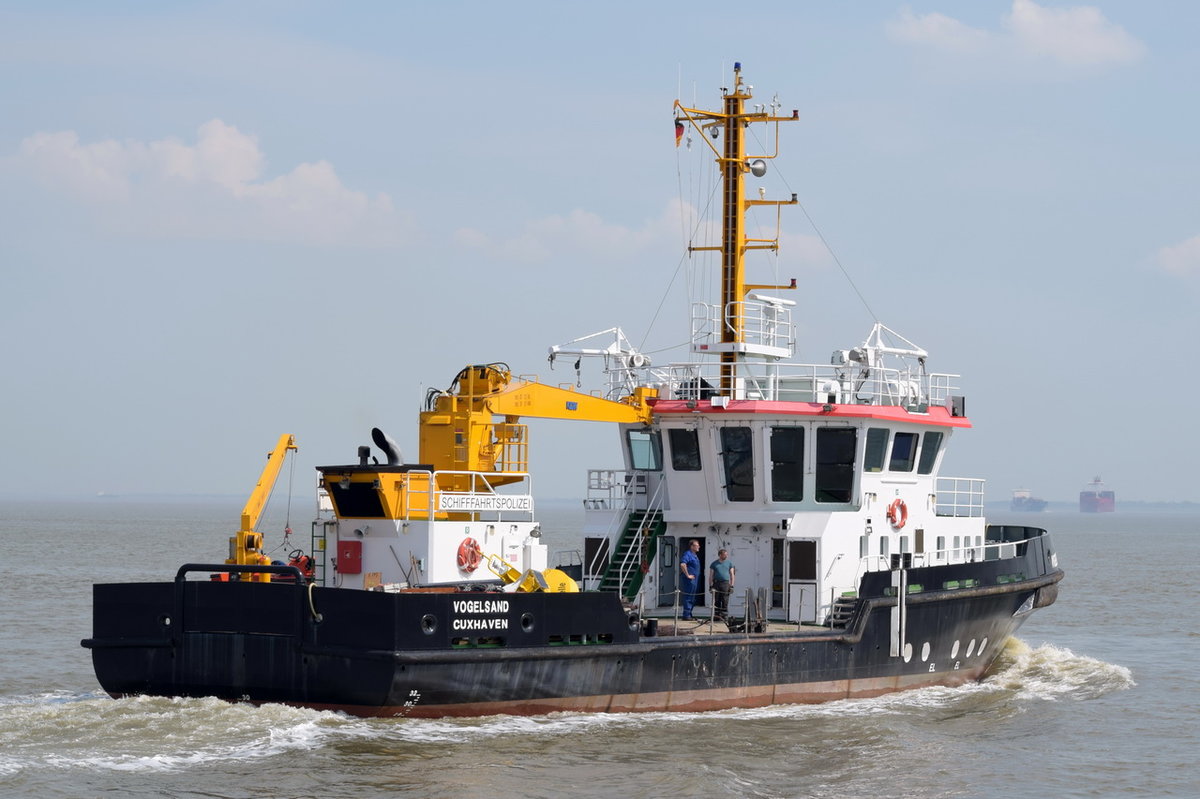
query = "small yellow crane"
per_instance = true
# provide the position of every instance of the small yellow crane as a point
(246, 548)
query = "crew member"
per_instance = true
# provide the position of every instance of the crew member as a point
(721, 574)
(689, 567)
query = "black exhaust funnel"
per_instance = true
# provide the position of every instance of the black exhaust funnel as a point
(387, 446)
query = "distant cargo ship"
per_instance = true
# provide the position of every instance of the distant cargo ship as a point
(1023, 501)
(1097, 498)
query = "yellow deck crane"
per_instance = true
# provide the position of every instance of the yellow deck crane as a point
(246, 548)
(460, 431)
(474, 428)
(471, 442)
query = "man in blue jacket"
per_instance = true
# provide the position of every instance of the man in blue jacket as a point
(689, 566)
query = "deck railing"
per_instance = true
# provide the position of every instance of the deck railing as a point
(632, 558)
(613, 489)
(480, 496)
(765, 327)
(958, 549)
(960, 496)
(801, 382)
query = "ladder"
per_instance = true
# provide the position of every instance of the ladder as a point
(634, 552)
(843, 610)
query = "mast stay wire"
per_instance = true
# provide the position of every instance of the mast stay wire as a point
(698, 226)
(820, 235)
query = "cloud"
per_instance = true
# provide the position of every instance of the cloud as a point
(214, 188)
(1079, 37)
(559, 237)
(939, 32)
(1181, 259)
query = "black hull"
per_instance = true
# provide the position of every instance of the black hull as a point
(429, 655)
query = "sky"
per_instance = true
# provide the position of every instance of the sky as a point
(225, 221)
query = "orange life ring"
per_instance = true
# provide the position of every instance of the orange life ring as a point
(469, 555)
(897, 513)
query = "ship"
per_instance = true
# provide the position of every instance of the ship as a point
(428, 589)
(1096, 497)
(1023, 501)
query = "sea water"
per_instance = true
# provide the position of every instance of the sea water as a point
(1098, 697)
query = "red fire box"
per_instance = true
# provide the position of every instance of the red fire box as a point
(349, 557)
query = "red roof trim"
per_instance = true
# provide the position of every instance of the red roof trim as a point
(936, 415)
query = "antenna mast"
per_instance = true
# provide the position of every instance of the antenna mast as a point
(731, 124)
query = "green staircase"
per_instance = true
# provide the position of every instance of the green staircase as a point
(638, 544)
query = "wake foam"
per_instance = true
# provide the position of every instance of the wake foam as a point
(64, 731)
(1052, 673)
(159, 734)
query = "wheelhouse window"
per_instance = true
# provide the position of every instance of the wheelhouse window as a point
(685, 450)
(904, 452)
(929, 452)
(835, 463)
(877, 439)
(737, 455)
(645, 450)
(787, 464)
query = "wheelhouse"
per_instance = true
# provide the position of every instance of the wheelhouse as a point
(806, 496)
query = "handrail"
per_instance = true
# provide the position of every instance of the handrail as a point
(615, 489)
(632, 557)
(806, 382)
(480, 483)
(237, 569)
(960, 497)
(762, 324)
(966, 553)
(303, 586)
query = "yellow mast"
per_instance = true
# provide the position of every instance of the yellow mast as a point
(732, 122)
